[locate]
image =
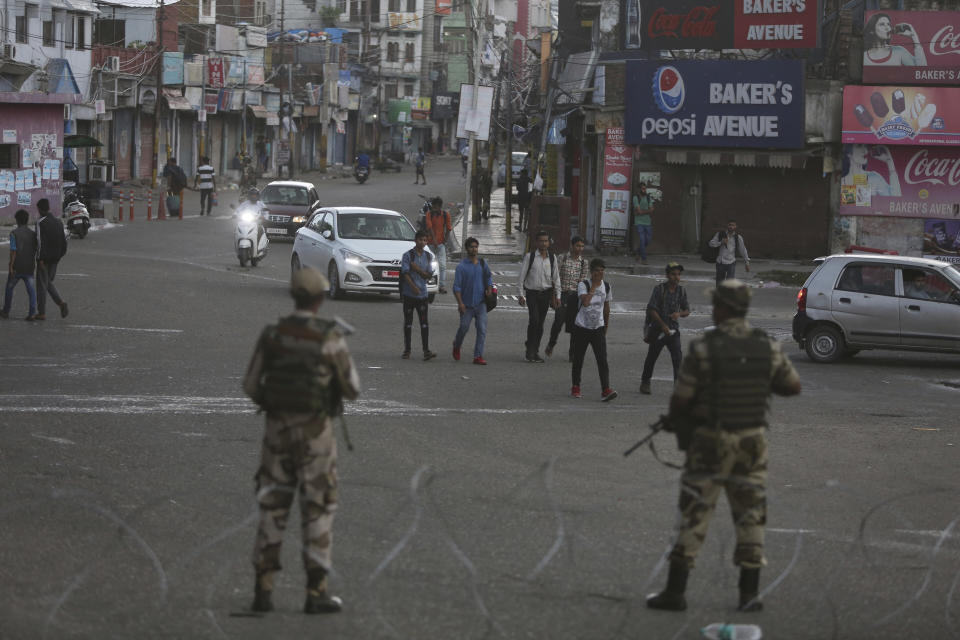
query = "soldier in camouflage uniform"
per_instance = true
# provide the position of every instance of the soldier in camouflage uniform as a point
(721, 398)
(300, 373)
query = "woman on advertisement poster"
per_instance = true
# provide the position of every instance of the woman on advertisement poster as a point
(877, 47)
(856, 157)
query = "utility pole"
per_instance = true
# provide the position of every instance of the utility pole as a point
(473, 75)
(508, 177)
(156, 104)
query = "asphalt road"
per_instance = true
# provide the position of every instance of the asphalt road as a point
(480, 502)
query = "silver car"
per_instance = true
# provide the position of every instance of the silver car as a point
(359, 248)
(860, 301)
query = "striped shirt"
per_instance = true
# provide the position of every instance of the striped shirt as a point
(205, 175)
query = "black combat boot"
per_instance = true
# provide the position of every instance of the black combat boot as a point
(262, 590)
(672, 598)
(318, 600)
(749, 590)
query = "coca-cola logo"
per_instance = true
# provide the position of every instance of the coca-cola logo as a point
(945, 41)
(698, 22)
(922, 169)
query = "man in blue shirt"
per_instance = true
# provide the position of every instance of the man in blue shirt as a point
(363, 159)
(415, 269)
(471, 283)
(23, 258)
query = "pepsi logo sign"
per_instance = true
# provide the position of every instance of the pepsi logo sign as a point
(668, 90)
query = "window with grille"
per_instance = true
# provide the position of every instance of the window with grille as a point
(408, 89)
(9, 156)
(21, 28)
(411, 6)
(393, 5)
(110, 33)
(409, 51)
(389, 91)
(48, 33)
(393, 52)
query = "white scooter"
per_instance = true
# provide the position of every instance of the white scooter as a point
(78, 218)
(250, 238)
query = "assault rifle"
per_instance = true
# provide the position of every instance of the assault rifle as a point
(682, 429)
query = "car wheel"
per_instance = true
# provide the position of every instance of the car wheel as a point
(336, 291)
(824, 343)
(295, 264)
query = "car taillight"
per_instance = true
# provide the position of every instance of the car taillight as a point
(802, 299)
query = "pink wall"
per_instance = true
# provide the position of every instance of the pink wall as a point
(24, 121)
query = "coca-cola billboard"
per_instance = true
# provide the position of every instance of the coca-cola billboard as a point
(911, 47)
(721, 24)
(905, 182)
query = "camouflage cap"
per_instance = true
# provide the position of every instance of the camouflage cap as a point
(309, 281)
(732, 293)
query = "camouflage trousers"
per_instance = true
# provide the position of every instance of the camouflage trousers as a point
(299, 454)
(733, 461)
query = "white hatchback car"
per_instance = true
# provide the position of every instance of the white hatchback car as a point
(860, 301)
(359, 249)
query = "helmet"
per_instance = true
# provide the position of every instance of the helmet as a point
(732, 293)
(253, 191)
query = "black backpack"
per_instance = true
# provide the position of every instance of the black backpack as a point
(606, 285)
(708, 253)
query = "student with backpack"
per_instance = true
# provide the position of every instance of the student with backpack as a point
(540, 289)
(668, 303)
(728, 243)
(590, 328)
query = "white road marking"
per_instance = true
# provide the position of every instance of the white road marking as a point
(212, 405)
(53, 439)
(107, 328)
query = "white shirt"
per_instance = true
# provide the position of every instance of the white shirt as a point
(590, 316)
(729, 248)
(540, 276)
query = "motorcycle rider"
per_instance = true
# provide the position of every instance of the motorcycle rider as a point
(253, 200)
(363, 160)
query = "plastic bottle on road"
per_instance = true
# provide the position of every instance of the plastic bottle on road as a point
(724, 631)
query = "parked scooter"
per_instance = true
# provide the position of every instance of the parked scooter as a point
(250, 238)
(78, 218)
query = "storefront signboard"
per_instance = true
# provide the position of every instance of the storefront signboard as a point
(615, 203)
(715, 103)
(657, 25)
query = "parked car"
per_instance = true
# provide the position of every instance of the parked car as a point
(518, 159)
(287, 205)
(860, 301)
(359, 249)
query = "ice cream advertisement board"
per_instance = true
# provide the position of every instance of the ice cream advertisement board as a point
(901, 115)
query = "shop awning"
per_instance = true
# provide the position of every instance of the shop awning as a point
(760, 159)
(175, 101)
(258, 110)
(78, 141)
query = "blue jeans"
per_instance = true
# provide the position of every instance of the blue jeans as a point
(479, 314)
(726, 272)
(644, 236)
(440, 251)
(31, 292)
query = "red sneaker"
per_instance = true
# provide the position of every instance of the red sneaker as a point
(575, 392)
(608, 395)
(456, 351)
(479, 361)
